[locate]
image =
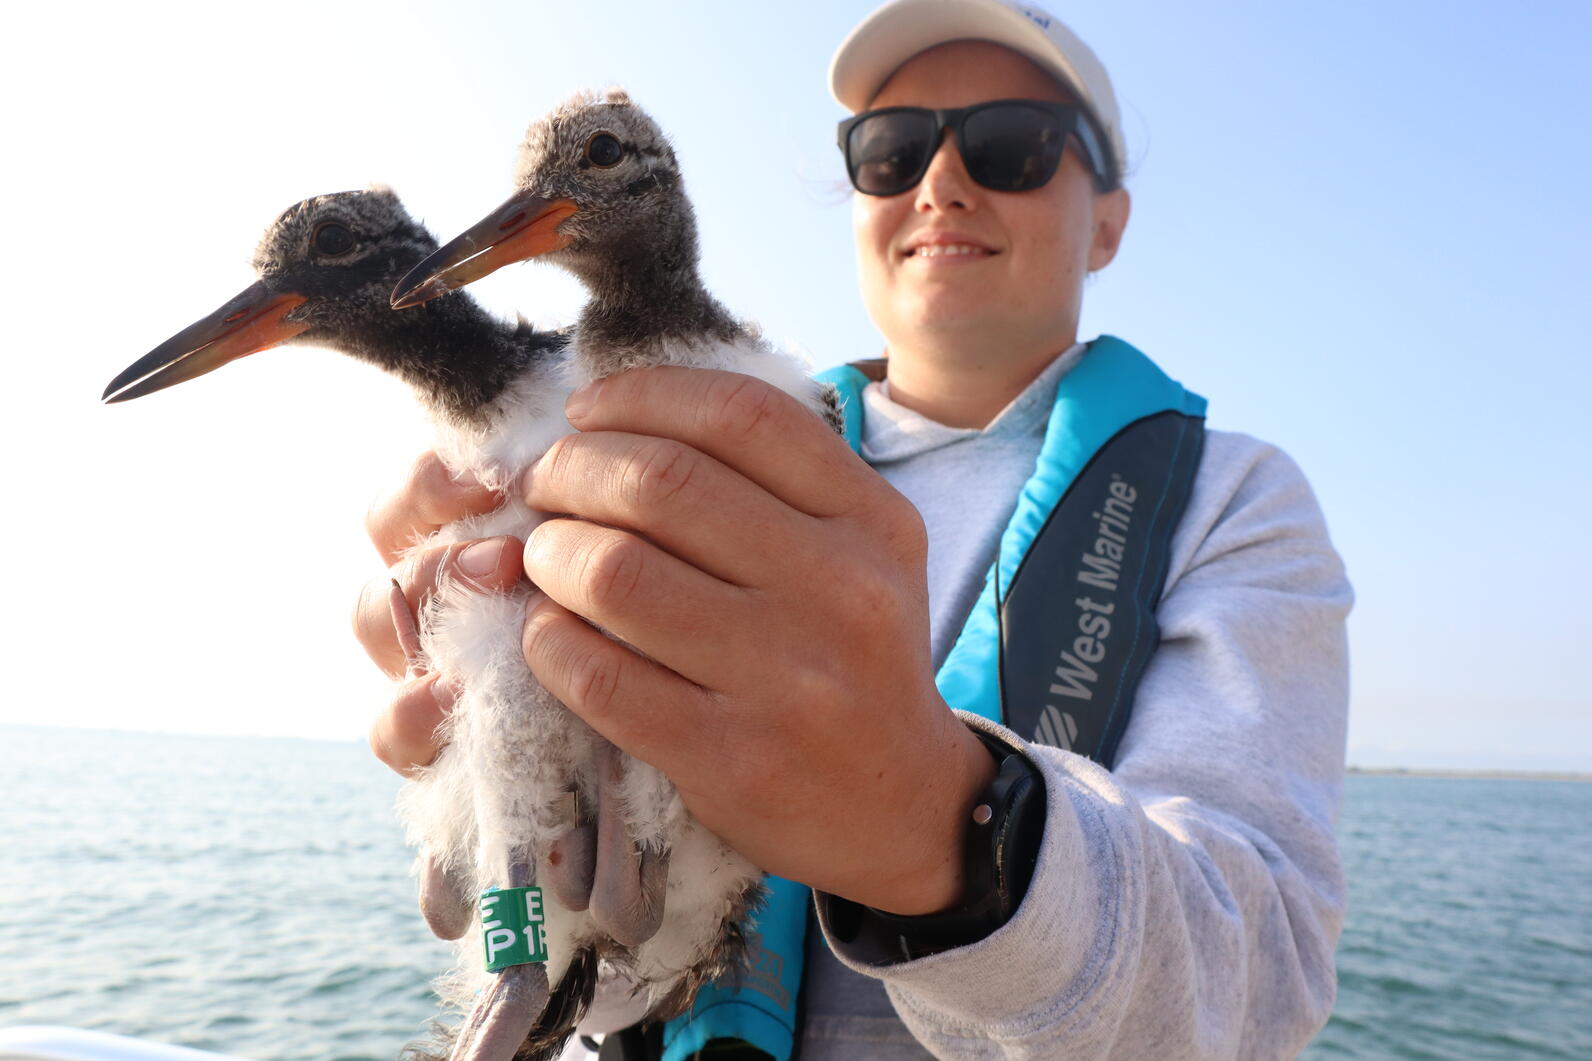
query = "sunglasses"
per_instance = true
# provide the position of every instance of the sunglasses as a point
(1007, 145)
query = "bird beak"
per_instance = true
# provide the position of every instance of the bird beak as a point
(523, 227)
(251, 321)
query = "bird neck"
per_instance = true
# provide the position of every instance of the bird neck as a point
(455, 354)
(641, 304)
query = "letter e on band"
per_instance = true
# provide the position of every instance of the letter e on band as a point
(513, 935)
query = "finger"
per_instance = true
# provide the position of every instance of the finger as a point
(488, 564)
(405, 735)
(680, 616)
(684, 501)
(748, 425)
(430, 498)
(636, 703)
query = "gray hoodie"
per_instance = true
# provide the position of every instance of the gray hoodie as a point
(1186, 903)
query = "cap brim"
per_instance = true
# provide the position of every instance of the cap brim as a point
(898, 31)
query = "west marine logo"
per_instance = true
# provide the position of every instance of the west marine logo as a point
(1056, 728)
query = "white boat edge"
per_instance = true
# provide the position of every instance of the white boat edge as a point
(46, 1042)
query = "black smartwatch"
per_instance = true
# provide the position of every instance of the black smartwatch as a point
(1003, 840)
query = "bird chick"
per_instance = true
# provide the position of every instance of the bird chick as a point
(599, 193)
(325, 267)
(516, 782)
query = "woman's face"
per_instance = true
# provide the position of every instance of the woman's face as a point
(950, 264)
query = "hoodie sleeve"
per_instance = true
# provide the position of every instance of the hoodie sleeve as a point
(1187, 903)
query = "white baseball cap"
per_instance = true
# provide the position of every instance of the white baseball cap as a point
(902, 28)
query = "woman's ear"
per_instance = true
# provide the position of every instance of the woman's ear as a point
(1111, 211)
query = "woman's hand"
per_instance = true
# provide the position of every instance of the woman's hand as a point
(401, 736)
(775, 588)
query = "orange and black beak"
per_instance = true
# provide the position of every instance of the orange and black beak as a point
(251, 321)
(523, 227)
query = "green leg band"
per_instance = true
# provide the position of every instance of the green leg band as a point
(512, 927)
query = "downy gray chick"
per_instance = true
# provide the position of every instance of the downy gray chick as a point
(599, 193)
(517, 781)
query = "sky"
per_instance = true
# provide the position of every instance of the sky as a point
(1360, 229)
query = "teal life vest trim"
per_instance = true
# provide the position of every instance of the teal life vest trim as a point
(1112, 387)
(1113, 394)
(759, 1008)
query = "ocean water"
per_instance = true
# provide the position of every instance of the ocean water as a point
(247, 896)
(252, 897)
(1470, 921)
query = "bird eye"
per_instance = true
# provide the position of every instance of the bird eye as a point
(604, 150)
(333, 239)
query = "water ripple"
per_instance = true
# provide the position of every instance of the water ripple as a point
(252, 897)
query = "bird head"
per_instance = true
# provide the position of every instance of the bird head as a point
(325, 268)
(597, 185)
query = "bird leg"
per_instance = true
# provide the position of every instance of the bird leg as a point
(445, 900)
(571, 862)
(509, 1008)
(628, 889)
(503, 1015)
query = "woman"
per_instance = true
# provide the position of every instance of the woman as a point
(1185, 903)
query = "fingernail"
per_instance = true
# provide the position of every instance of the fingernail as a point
(580, 403)
(481, 559)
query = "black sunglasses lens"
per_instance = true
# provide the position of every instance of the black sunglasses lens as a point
(887, 152)
(1012, 147)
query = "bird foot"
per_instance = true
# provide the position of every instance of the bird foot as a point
(445, 900)
(629, 906)
(571, 866)
(627, 894)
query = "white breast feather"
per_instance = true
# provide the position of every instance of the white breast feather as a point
(513, 751)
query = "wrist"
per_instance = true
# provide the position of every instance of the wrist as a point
(938, 882)
(1000, 855)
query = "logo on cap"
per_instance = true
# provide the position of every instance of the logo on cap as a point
(1040, 20)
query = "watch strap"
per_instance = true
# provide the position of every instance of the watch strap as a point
(1002, 848)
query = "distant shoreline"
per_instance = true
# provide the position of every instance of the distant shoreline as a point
(1452, 772)
(1472, 775)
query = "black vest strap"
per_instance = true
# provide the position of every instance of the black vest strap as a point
(1078, 621)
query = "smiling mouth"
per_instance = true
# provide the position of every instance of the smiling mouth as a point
(950, 250)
